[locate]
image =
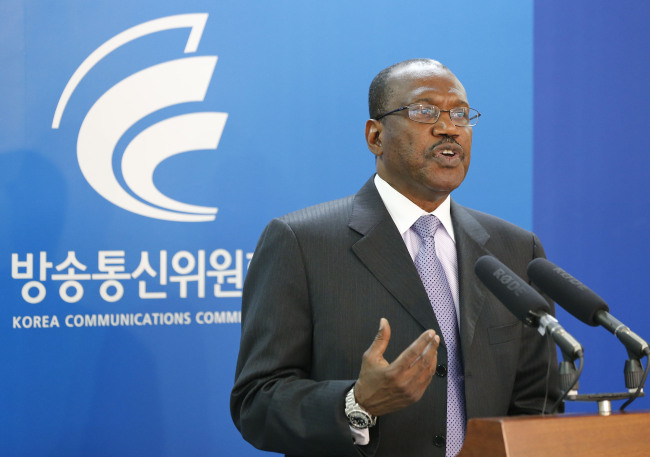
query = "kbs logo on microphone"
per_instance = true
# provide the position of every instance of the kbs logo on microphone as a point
(132, 99)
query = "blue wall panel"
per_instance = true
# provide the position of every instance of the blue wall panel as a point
(591, 178)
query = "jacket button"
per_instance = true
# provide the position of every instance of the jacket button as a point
(439, 441)
(441, 370)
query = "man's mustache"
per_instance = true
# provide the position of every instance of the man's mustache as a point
(447, 139)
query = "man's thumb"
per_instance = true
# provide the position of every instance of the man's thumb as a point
(380, 342)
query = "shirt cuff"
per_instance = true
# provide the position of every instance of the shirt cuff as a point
(360, 437)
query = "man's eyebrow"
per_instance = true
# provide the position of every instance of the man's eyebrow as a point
(429, 101)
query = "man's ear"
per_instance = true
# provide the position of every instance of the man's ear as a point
(374, 131)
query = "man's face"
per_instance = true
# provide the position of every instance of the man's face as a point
(424, 162)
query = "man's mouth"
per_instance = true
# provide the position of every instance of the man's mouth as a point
(447, 153)
(448, 150)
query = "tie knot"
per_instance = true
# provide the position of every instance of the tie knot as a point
(426, 225)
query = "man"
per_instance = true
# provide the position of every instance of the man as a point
(322, 279)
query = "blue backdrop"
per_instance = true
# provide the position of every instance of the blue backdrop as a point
(144, 145)
(591, 166)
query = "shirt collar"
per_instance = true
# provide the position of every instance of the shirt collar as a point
(404, 212)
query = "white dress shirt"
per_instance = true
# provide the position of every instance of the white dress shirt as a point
(404, 213)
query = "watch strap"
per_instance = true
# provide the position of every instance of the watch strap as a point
(357, 416)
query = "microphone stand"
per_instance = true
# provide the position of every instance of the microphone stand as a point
(635, 378)
(569, 377)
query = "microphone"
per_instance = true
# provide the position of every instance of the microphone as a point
(524, 302)
(583, 303)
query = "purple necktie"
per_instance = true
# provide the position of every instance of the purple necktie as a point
(437, 287)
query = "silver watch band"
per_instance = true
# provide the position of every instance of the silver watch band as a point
(357, 416)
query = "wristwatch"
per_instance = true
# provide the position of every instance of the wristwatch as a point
(358, 417)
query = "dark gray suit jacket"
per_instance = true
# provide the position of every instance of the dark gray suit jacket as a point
(319, 282)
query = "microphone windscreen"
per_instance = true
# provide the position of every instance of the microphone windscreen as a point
(566, 290)
(515, 293)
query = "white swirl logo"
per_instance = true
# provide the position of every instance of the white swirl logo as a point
(130, 100)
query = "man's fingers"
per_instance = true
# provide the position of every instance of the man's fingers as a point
(383, 388)
(422, 354)
(425, 347)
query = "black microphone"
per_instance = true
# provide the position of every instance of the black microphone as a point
(583, 303)
(524, 302)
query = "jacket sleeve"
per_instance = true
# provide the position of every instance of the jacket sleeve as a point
(274, 403)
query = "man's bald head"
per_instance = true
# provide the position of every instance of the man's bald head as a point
(380, 90)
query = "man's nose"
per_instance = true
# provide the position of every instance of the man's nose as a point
(444, 126)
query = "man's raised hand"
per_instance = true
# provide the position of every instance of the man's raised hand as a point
(384, 387)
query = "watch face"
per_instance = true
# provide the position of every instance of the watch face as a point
(359, 419)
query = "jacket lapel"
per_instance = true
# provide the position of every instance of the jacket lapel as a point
(384, 253)
(470, 245)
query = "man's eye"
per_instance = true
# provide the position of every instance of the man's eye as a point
(459, 114)
(426, 111)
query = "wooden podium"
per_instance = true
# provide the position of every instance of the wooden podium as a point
(616, 435)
